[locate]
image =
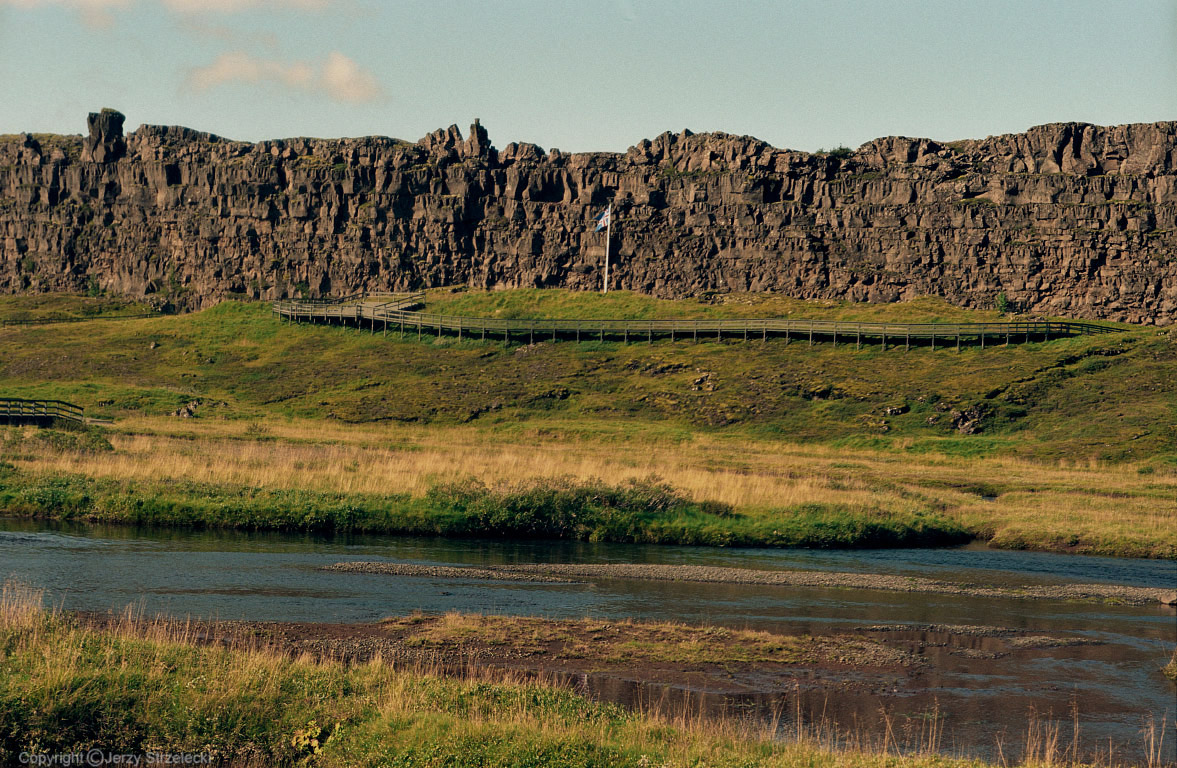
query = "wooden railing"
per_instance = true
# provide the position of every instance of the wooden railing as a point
(396, 314)
(356, 306)
(15, 410)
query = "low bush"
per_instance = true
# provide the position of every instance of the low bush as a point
(73, 439)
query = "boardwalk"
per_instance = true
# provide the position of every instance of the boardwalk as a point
(399, 313)
(43, 413)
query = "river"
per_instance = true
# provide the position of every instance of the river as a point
(1114, 685)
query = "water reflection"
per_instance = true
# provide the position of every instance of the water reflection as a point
(266, 576)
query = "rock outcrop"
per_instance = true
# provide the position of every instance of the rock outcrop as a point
(1066, 219)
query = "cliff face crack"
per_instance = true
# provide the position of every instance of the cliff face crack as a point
(1065, 219)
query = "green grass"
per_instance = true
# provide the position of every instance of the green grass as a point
(140, 688)
(60, 306)
(536, 303)
(1110, 397)
(645, 512)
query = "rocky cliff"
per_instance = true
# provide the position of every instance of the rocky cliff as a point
(1066, 219)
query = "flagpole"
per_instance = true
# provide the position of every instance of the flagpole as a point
(608, 237)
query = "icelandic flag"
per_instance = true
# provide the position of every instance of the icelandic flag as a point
(603, 219)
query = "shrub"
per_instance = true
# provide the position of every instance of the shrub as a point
(72, 440)
(840, 152)
(68, 438)
(560, 508)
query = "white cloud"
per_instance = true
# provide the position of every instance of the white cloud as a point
(338, 77)
(344, 79)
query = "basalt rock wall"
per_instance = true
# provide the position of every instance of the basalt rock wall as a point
(1065, 219)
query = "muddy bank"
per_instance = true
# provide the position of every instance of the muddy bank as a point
(1126, 595)
(612, 653)
(1016, 638)
(863, 681)
(880, 659)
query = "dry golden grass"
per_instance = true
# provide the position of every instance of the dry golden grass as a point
(620, 641)
(395, 459)
(1013, 499)
(626, 641)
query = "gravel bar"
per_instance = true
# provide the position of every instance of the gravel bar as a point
(573, 573)
(446, 572)
(711, 574)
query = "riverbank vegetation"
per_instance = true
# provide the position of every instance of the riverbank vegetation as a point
(139, 687)
(297, 475)
(638, 511)
(1069, 445)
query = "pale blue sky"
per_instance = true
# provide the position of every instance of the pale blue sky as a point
(584, 76)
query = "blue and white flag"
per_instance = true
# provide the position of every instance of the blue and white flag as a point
(603, 219)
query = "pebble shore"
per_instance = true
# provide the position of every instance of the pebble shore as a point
(572, 573)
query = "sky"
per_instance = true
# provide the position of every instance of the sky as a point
(595, 75)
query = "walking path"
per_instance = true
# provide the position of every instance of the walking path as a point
(400, 313)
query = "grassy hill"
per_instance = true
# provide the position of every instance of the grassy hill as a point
(1068, 444)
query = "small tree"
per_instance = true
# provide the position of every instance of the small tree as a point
(840, 152)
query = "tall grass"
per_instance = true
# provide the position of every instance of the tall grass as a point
(546, 508)
(1068, 506)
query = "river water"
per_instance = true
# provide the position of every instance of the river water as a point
(1114, 685)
